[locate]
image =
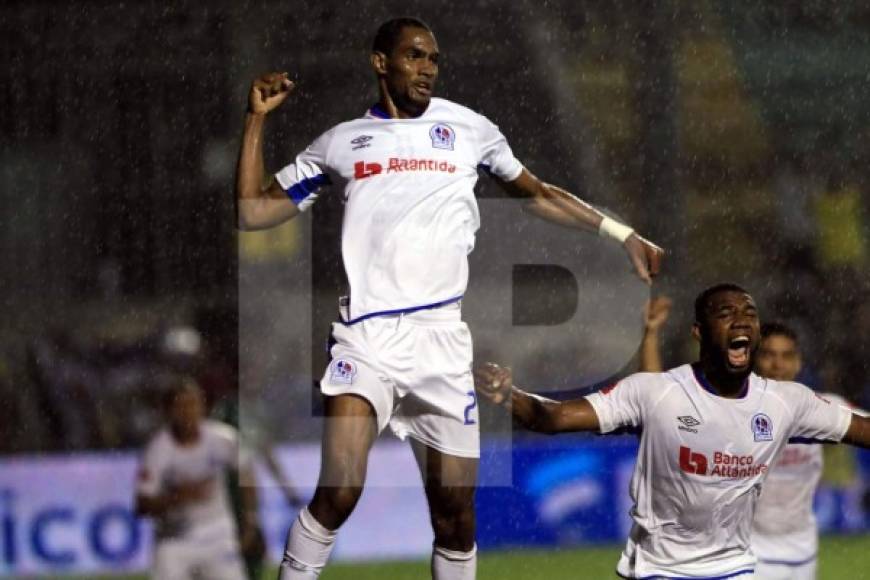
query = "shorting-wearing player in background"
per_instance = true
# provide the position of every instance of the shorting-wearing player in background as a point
(785, 537)
(181, 484)
(401, 353)
(709, 433)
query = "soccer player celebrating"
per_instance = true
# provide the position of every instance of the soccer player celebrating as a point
(181, 485)
(401, 353)
(709, 433)
(785, 538)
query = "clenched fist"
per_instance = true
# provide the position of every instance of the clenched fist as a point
(494, 382)
(269, 91)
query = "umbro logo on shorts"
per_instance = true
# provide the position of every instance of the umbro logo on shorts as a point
(688, 423)
(342, 371)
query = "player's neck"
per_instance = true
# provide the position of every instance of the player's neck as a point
(389, 106)
(185, 438)
(720, 381)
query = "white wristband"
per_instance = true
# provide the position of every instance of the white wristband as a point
(610, 228)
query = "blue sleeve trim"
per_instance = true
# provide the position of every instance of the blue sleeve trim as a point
(810, 441)
(789, 562)
(306, 187)
(401, 310)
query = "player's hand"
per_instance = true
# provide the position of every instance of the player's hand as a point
(645, 255)
(494, 382)
(193, 492)
(293, 500)
(655, 312)
(252, 542)
(269, 91)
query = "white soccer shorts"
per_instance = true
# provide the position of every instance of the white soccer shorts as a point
(198, 558)
(415, 370)
(774, 571)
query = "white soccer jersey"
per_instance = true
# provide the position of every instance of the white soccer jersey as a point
(410, 216)
(166, 463)
(701, 462)
(784, 529)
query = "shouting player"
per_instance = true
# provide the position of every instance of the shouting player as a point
(401, 353)
(785, 538)
(709, 433)
(182, 486)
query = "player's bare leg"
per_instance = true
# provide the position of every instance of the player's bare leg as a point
(450, 483)
(349, 431)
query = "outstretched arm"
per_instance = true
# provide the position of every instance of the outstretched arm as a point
(560, 207)
(533, 412)
(180, 495)
(858, 432)
(260, 201)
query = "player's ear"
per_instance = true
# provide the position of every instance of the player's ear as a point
(696, 331)
(379, 62)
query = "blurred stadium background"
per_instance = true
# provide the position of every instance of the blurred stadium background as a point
(734, 133)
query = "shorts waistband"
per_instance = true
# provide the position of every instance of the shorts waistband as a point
(445, 311)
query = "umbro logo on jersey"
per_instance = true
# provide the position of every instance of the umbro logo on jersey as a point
(361, 142)
(688, 423)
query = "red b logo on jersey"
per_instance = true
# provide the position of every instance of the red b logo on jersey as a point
(361, 169)
(692, 462)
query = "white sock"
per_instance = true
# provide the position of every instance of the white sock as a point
(308, 548)
(451, 565)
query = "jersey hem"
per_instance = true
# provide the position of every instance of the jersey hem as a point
(441, 448)
(662, 576)
(408, 310)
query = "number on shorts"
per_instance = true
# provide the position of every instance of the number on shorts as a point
(471, 406)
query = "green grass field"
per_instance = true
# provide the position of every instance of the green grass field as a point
(841, 558)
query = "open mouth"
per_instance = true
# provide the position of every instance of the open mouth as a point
(738, 351)
(424, 89)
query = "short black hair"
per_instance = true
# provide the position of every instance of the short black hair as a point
(388, 33)
(704, 297)
(779, 329)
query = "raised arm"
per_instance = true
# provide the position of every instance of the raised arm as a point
(533, 412)
(560, 207)
(260, 201)
(655, 314)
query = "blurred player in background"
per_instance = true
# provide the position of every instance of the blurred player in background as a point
(401, 354)
(256, 444)
(181, 484)
(785, 536)
(709, 433)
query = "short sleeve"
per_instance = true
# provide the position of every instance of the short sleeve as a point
(620, 406)
(496, 156)
(226, 439)
(149, 478)
(817, 419)
(302, 179)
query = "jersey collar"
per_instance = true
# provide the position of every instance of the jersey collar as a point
(378, 112)
(705, 384)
